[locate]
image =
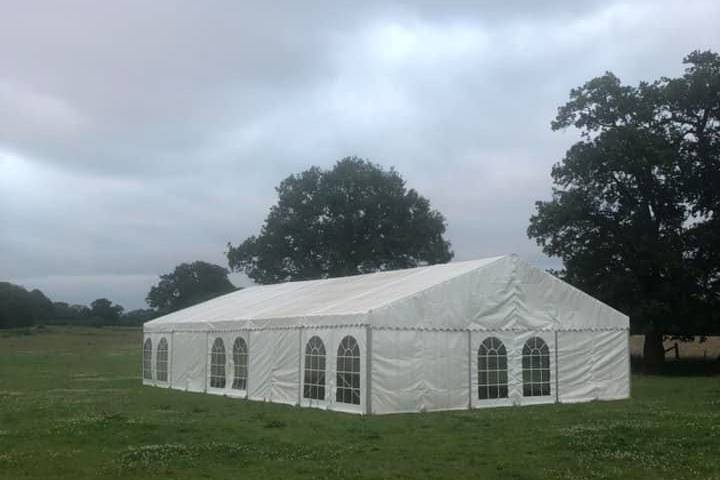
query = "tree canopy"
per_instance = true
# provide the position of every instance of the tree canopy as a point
(354, 218)
(188, 284)
(21, 308)
(635, 204)
(104, 312)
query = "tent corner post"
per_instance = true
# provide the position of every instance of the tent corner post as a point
(629, 364)
(207, 355)
(469, 363)
(368, 369)
(172, 354)
(300, 357)
(557, 370)
(142, 364)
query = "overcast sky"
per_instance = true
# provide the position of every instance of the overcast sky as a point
(138, 135)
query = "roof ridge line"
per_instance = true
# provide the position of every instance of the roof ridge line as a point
(416, 271)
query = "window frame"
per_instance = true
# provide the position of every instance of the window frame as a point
(243, 355)
(492, 347)
(528, 354)
(213, 365)
(355, 360)
(313, 368)
(148, 365)
(163, 342)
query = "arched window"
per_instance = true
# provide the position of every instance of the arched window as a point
(492, 370)
(348, 372)
(240, 364)
(536, 368)
(161, 367)
(217, 364)
(147, 360)
(314, 385)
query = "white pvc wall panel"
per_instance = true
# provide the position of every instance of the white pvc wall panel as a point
(396, 370)
(611, 365)
(419, 371)
(285, 380)
(445, 364)
(575, 364)
(273, 366)
(260, 364)
(187, 367)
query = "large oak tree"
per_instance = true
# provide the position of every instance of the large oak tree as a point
(634, 214)
(354, 218)
(188, 284)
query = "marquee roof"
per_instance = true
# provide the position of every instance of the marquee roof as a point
(491, 293)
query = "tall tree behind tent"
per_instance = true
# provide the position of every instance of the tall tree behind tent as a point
(634, 211)
(354, 218)
(188, 284)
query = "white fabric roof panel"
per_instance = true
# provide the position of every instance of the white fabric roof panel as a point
(492, 293)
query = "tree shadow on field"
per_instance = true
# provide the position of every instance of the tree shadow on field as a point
(684, 367)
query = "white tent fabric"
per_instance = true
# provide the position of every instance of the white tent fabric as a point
(419, 333)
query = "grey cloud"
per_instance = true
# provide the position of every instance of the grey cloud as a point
(136, 135)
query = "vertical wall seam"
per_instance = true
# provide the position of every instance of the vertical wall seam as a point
(172, 354)
(300, 372)
(368, 369)
(207, 355)
(469, 363)
(142, 364)
(557, 371)
(248, 375)
(153, 361)
(629, 365)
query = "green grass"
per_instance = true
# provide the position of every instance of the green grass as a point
(72, 406)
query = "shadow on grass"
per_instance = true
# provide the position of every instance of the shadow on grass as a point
(684, 367)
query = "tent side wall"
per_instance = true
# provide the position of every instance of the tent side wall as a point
(412, 370)
(421, 370)
(278, 360)
(277, 365)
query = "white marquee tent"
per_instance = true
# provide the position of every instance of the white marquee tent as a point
(473, 334)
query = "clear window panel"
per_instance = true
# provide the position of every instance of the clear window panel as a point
(492, 369)
(162, 360)
(147, 359)
(348, 372)
(314, 375)
(536, 368)
(217, 364)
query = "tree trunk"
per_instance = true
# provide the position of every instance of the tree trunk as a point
(653, 352)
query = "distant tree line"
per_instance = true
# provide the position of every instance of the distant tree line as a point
(188, 284)
(22, 308)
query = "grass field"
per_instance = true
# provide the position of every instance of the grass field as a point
(72, 406)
